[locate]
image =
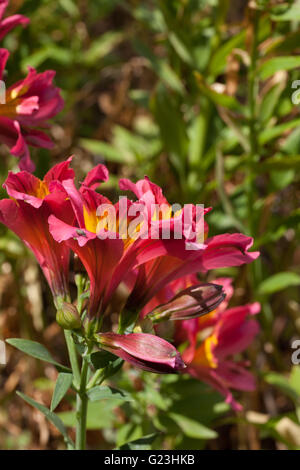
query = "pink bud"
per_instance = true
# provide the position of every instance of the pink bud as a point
(143, 350)
(192, 302)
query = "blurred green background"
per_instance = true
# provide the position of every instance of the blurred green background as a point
(202, 97)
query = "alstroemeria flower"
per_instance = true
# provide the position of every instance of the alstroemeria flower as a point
(213, 341)
(10, 22)
(216, 252)
(29, 104)
(106, 252)
(146, 351)
(27, 212)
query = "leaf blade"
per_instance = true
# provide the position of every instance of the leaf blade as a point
(52, 417)
(36, 350)
(105, 392)
(63, 383)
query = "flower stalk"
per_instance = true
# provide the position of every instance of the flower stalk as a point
(81, 407)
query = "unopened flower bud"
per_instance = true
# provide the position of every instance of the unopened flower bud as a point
(192, 302)
(146, 351)
(67, 317)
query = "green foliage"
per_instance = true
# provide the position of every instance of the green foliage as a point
(63, 383)
(37, 350)
(143, 443)
(197, 95)
(104, 392)
(52, 417)
(278, 282)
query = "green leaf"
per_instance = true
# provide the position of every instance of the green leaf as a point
(104, 392)
(127, 321)
(269, 102)
(171, 123)
(286, 12)
(278, 380)
(143, 443)
(160, 67)
(278, 164)
(220, 99)
(279, 282)
(101, 47)
(63, 383)
(109, 152)
(180, 47)
(70, 8)
(295, 379)
(101, 359)
(273, 65)
(219, 58)
(193, 428)
(37, 350)
(113, 367)
(271, 133)
(99, 415)
(50, 51)
(291, 146)
(52, 417)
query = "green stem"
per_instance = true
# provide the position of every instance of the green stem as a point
(95, 379)
(81, 408)
(73, 357)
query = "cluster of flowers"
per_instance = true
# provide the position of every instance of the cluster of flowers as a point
(55, 219)
(29, 103)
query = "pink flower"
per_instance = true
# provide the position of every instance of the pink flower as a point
(146, 351)
(211, 340)
(29, 104)
(223, 334)
(10, 22)
(216, 252)
(107, 253)
(27, 213)
(192, 302)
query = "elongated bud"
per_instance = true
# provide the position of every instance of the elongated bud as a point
(192, 302)
(67, 317)
(143, 350)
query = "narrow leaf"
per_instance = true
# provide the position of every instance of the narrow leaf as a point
(279, 282)
(110, 153)
(143, 443)
(220, 99)
(105, 392)
(101, 359)
(63, 383)
(192, 428)
(52, 417)
(271, 66)
(37, 350)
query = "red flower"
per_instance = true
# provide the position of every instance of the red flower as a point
(215, 252)
(213, 339)
(27, 215)
(210, 361)
(10, 22)
(29, 104)
(107, 253)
